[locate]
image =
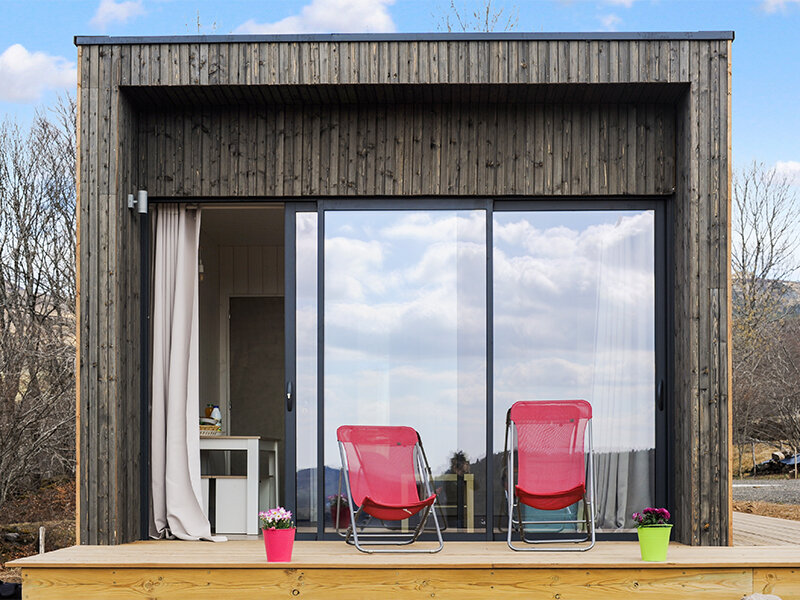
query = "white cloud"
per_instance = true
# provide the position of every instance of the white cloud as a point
(625, 3)
(772, 6)
(405, 321)
(24, 75)
(789, 169)
(110, 11)
(321, 16)
(610, 21)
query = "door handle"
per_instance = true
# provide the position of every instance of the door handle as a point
(660, 395)
(289, 398)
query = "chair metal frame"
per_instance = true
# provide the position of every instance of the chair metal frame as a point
(513, 503)
(359, 540)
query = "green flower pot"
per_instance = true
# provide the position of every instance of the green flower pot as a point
(654, 541)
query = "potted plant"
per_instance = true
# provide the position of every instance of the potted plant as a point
(653, 531)
(279, 530)
(340, 505)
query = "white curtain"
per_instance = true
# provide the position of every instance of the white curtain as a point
(176, 503)
(624, 372)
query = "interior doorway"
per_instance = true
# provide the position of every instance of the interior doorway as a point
(256, 356)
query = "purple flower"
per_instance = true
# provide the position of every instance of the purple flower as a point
(651, 516)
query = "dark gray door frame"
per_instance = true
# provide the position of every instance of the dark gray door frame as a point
(664, 324)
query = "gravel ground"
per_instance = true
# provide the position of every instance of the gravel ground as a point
(783, 491)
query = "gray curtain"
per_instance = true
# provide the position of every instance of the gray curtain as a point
(176, 503)
(624, 485)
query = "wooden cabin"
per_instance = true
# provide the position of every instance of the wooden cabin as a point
(420, 230)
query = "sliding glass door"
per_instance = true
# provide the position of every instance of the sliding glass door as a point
(441, 314)
(574, 317)
(405, 340)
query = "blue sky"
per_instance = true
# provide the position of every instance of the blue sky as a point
(37, 55)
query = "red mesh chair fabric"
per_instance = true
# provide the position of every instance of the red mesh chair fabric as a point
(380, 462)
(550, 441)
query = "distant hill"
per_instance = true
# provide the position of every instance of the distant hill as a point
(792, 297)
(789, 292)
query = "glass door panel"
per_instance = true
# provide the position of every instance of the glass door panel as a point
(304, 386)
(405, 342)
(574, 317)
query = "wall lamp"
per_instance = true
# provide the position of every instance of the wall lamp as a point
(139, 202)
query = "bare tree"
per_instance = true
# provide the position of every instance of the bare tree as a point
(765, 245)
(764, 259)
(483, 16)
(37, 298)
(782, 394)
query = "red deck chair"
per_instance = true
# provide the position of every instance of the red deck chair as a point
(547, 438)
(384, 468)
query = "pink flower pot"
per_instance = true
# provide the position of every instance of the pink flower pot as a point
(278, 543)
(344, 517)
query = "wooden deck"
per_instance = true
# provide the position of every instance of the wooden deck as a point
(463, 570)
(755, 530)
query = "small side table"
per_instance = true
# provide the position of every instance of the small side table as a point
(234, 487)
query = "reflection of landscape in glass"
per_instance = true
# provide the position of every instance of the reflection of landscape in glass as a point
(405, 340)
(574, 318)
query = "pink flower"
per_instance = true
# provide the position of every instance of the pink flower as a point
(275, 518)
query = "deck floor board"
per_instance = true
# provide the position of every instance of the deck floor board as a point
(757, 530)
(465, 555)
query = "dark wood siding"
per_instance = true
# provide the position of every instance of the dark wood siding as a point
(409, 150)
(608, 143)
(417, 62)
(108, 305)
(702, 299)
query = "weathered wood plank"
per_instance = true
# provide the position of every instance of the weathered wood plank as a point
(93, 315)
(613, 157)
(595, 170)
(557, 146)
(83, 281)
(706, 442)
(114, 338)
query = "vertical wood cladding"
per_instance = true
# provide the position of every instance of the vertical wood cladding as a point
(108, 304)
(409, 150)
(599, 147)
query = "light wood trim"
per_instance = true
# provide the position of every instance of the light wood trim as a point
(729, 357)
(388, 583)
(784, 583)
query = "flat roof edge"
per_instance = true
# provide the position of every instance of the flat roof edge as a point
(89, 40)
